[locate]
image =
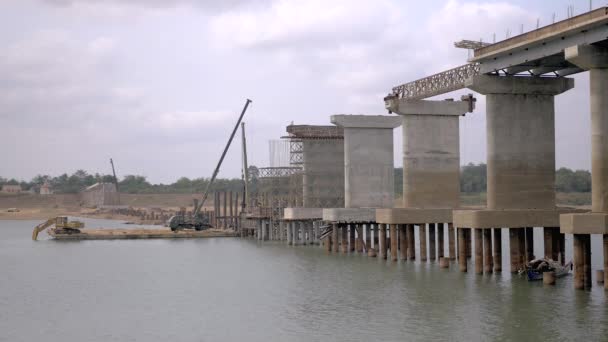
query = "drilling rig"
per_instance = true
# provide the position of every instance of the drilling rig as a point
(196, 220)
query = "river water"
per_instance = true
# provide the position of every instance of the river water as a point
(228, 289)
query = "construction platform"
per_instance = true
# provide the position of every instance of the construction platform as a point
(133, 234)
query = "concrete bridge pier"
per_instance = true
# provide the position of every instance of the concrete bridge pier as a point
(595, 59)
(394, 242)
(422, 241)
(432, 245)
(440, 242)
(411, 242)
(402, 241)
(487, 251)
(289, 233)
(497, 250)
(520, 140)
(451, 241)
(462, 249)
(382, 247)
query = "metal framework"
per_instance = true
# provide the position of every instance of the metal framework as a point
(284, 171)
(296, 152)
(441, 83)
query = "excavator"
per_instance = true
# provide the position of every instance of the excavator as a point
(62, 226)
(196, 220)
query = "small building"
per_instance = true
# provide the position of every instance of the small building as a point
(45, 189)
(11, 189)
(100, 194)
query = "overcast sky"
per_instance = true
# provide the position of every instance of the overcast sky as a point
(158, 84)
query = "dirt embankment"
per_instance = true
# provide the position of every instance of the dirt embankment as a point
(37, 207)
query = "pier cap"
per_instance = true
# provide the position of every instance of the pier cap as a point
(587, 56)
(524, 85)
(366, 121)
(427, 107)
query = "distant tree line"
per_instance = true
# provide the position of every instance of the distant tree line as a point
(472, 180)
(134, 184)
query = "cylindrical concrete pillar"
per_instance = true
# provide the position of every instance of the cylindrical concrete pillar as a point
(587, 251)
(605, 245)
(344, 238)
(304, 230)
(548, 242)
(487, 251)
(335, 242)
(440, 243)
(451, 241)
(367, 232)
(599, 138)
(599, 276)
(402, 242)
(432, 242)
(514, 249)
(549, 278)
(497, 249)
(328, 242)
(462, 250)
(468, 244)
(289, 233)
(444, 262)
(582, 261)
(383, 248)
(529, 244)
(411, 243)
(351, 237)
(578, 261)
(394, 243)
(520, 122)
(422, 237)
(478, 251)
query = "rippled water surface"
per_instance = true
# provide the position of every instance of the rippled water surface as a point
(242, 290)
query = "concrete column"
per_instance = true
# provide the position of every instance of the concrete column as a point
(260, 229)
(521, 234)
(548, 242)
(383, 248)
(432, 245)
(296, 233)
(351, 237)
(451, 241)
(462, 250)
(422, 236)
(368, 159)
(344, 238)
(487, 251)
(411, 243)
(316, 227)
(478, 251)
(467, 242)
(394, 243)
(402, 242)
(431, 151)
(514, 249)
(582, 261)
(605, 247)
(304, 230)
(440, 243)
(530, 244)
(335, 238)
(595, 59)
(497, 249)
(359, 239)
(368, 235)
(289, 233)
(520, 121)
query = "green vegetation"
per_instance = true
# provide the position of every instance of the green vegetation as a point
(472, 183)
(133, 184)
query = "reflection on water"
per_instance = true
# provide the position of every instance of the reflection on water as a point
(231, 289)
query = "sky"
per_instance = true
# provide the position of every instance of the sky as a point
(157, 85)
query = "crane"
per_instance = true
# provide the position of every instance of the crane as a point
(197, 221)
